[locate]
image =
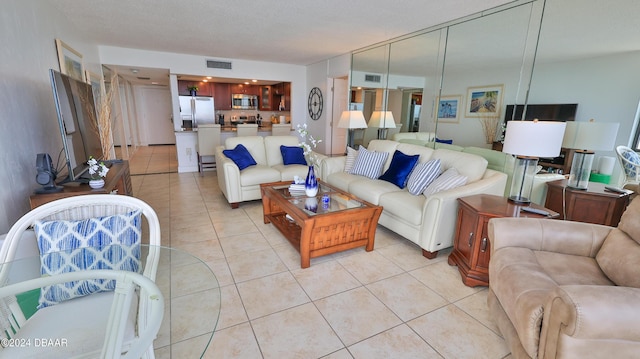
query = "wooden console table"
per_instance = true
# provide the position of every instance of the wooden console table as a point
(471, 247)
(593, 205)
(118, 179)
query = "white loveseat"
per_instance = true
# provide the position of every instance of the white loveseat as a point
(244, 185)
(427, 221)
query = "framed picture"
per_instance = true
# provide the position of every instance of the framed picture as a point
(448, 109)
(70, 61)
(484, 101)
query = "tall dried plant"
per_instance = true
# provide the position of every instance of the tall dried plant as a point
(102, 124)
(489, 128)
(105, 120)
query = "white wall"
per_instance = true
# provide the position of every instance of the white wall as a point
(28, 30)
(196, 65)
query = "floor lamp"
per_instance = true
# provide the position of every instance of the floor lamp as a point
(382, 120)
(352, 120)
(587, 137)
(529, 140)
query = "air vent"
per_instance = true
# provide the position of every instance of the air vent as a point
(144, 78)
(214, 64)
(372, 78)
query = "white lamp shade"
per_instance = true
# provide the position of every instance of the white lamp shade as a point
(594, 136)
(533, 138)
(382, 119)
(352, 119)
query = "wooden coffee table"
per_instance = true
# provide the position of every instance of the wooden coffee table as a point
(316, 229)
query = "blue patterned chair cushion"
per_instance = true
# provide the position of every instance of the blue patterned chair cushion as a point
(110, 242)
(629, 168)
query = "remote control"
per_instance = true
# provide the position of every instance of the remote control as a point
(535, 210)
(614, 189)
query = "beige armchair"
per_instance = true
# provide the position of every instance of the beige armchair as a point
(561, 289)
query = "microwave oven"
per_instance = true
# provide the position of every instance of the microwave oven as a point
(244, 102)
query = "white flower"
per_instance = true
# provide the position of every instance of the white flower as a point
(97, 170)
(306, 147)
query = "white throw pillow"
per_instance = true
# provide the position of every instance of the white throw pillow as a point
(369, 163)
(422, 176)
(352, 154)
(447, 180)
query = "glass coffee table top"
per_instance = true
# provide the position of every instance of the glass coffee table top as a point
(326, 201)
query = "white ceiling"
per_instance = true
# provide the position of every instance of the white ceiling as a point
(304, 32)
(300, 32)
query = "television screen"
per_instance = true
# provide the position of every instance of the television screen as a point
(77, 119)
(543, 112)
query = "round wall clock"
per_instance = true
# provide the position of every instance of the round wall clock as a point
(315, 103)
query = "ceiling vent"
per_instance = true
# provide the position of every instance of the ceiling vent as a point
(215, 64)
(144, 78)
(372, 78)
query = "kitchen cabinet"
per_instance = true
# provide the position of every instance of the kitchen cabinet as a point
(204, 88)
(266, 98)
(471, 246)
(222, 96)
(245, 89)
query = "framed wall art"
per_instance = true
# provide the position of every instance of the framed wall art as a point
(448, 108)
(70, 61)
(484, 101)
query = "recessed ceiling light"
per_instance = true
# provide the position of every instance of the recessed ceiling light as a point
(209, 77)
(135, 71)
(254, 80)
(246, 82)
(154, 83)
(205, 80)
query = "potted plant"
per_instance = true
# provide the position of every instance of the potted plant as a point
(97, 171)
(193, 90)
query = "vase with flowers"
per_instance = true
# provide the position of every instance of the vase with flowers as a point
(308, 144)
(97, 171)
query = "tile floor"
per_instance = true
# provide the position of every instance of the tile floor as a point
(388, 303)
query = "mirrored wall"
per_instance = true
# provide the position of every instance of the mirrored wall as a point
(457, 81)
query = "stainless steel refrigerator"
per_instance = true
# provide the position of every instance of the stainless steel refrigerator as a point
(196, 110)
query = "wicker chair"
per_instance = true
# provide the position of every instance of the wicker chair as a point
(630, 163)
(21, 242)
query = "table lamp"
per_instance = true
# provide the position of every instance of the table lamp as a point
(587, 137)
(352, 120)
(382, 120)
(528, 140)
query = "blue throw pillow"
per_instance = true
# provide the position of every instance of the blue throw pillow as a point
(449, 142)
(400, 168)
(292, 155)
(109, 242)
(240, 156)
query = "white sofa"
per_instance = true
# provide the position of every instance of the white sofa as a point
(240, 186)
(427, 221)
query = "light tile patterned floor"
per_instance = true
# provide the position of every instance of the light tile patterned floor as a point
(388, 303)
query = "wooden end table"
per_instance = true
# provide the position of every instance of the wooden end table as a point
(316, 229)
(471, 247)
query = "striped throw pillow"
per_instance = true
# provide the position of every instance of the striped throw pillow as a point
(447, 180)
(352, 154)
(422, 176)
(369, 163)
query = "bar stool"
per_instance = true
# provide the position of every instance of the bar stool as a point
(208, 140)
(278, 129)
(247, 129)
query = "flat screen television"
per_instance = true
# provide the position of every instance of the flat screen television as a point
(77, 120)
(543, 112)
